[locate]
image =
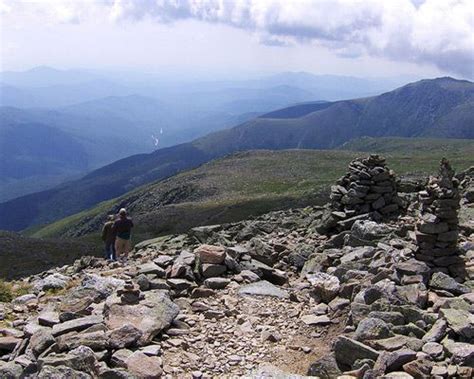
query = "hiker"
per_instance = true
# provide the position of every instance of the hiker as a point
(108, 236)
(122, 230)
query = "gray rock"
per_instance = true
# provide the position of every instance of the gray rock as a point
(347, 351)
(441, 281)
(372, 328)
(393, 361)
(249, 276)
(10, 370)
(316, 320)
(163, 261)
(395, 318)
(358, 253)
(232, 264)
(180, 284)
(213, 270)
(24, 299)
(103, 285)
(119, 358)
(61, 372)
(9, 343)
(51, 282)
(151, 268)
(369, 230)
(413, 267)
(420, 368)
(461, 353)
(144, 366)
(95, 340)
(413, 294)
(151, 350)
(325, 367)
(396, 342)
(462, 322)
(115, 373)
(202, 292)
(325, 286)
(48, 318)
(143, 282)
(408, 330)
(262, 252)
(125, 336)
(76, 325)
(150, 316)
(41, 340)
(80, 359)
(274, 276)
(433, 349)
(263, 288)
(437, 331)
(217, 283)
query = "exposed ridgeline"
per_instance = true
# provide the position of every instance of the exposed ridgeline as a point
(438, 228)
(262, 298)
(439, 108)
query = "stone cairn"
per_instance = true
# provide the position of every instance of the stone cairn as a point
(437, 228)
(130, 293)
(369, 188)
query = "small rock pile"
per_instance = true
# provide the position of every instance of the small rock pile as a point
(368, 190)
(437, 229)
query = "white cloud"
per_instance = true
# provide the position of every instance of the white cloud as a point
(438, 32)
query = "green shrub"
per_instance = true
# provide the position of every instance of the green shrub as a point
(6, 293)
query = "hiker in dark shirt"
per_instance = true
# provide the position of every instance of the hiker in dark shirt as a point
(108, 236)
(122, 230)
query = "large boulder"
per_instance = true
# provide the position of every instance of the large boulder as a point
(462, 322)
(151, 315)
(366, 232)
(10, 370)
(51, 282)
(95, 340)
(41, 340)
(142, 366)
(325, 286)
(210, 254)
(348, 350)
(325, 367)
(441, 281)
(76, 325)
(372, 328)
(79, 359)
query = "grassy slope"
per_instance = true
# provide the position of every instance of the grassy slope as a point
(21, 255)
(250, 183)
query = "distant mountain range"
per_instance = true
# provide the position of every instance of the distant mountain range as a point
(108, 116)
(442, 108)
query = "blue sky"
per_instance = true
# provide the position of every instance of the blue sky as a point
(350, 37)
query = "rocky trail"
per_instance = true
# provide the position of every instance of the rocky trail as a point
(349, 290)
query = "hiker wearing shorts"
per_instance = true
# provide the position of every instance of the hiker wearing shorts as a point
(122, 230)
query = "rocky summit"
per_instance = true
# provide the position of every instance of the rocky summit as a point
(327, 292)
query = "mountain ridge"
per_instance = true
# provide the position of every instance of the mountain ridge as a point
(417, 109)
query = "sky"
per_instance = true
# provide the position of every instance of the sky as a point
(378, 38)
